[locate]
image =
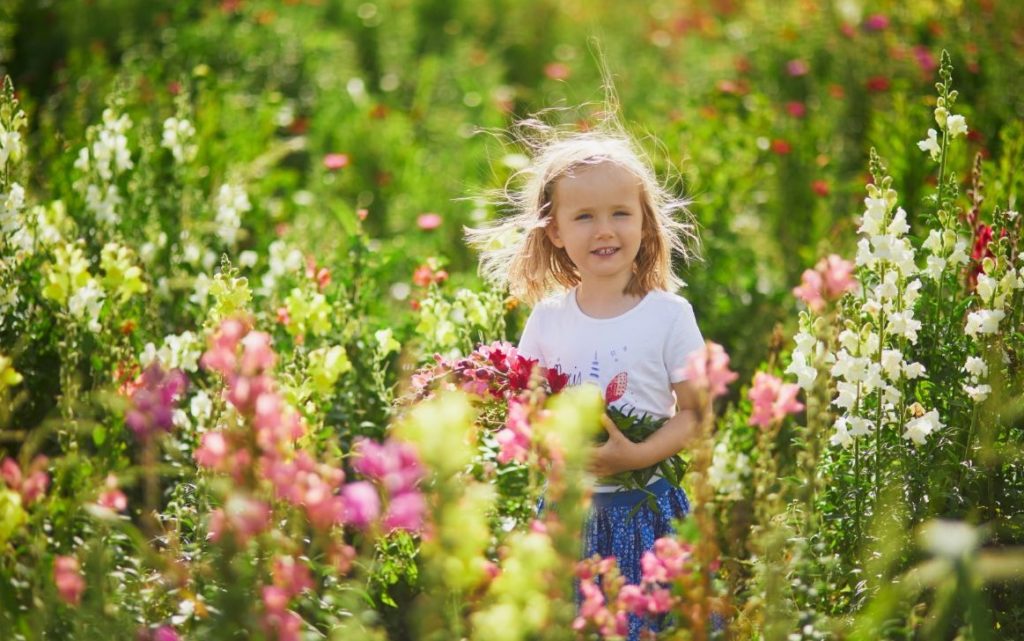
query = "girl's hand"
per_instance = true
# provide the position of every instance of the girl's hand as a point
(614, 456)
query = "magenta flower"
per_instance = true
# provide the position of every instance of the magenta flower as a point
(212, 450)
(428, 221)
(772, 400)
(394, 464)
(876, 22)
(406, 511)
(708, 368)
(68, 579)
(153, 401)
(797, 67)
(165, 633)
(334, 162)
(362, 504)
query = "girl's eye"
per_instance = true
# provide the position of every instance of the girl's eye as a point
(622, 213)
(582, 217)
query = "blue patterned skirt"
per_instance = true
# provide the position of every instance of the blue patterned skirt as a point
(623, 525)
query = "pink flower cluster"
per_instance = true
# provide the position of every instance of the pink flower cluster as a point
(163, 633)
(515, 438)
(395, 469)
(607, 600)
(112, 497)
(153, 401)
(708, 368)
(772, 400)
(830, 279)
(245, 359)
(290, 579)
(32, 484)
(67, 577)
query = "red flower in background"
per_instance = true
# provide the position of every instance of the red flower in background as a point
(877, 84)
(781, 147)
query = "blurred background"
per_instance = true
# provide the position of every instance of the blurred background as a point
(763, 112)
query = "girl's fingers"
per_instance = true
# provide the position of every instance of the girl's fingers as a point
(609, 425)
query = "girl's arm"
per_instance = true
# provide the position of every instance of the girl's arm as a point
(619, 454)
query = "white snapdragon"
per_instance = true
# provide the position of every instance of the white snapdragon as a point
(10, 145)
(918, 429)
(727, 471)
(931, 144)
(957, 125)
(103, 203)
(842, 434)
(179, 351)
(10, 212)
(177, 137)
(231, 203)
(983, 321)
(282, 260)
(86, 303)
(978, 393)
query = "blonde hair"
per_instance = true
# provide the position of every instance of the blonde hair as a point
(516, 252)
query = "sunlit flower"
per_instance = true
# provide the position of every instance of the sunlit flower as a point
(428, 221)
(931, 144)
(709, 368)
(67, 577)
(918, 429)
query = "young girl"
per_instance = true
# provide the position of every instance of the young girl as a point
(594, 226)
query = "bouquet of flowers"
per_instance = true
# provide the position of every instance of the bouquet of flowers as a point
(512, 387)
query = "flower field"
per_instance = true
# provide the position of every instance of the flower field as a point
(252, 385)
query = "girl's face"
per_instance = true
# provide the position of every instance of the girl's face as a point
(598, 220)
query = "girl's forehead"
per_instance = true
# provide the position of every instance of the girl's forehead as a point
(596, 179)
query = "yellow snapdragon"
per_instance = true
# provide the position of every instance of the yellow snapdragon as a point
(310, 314)
(326, 365)
(121, 275)
(9, 377)
(68, 273)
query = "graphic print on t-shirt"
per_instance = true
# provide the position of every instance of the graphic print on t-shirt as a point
(617, 386)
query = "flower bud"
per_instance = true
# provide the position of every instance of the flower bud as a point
(988, 265)
(940, 116)
(948, 239)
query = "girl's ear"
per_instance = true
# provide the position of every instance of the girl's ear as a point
(551, 230)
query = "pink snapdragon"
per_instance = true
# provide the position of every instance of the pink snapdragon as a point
(153, 401)
(428, 221)
(514, 439)
(291, 576)
(112, 497)
(362, 504)
(708, 368)
(394, 464)
(31, 485)
(830, 279)
(772, 400)
(67, 577)
(241, 516)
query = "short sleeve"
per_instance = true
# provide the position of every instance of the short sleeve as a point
(529, 342)
(684, 339)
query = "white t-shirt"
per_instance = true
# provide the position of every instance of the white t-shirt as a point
(643, 350)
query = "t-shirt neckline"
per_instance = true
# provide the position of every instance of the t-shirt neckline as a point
(576, 308)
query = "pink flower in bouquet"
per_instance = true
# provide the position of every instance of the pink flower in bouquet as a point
(362, 504)
(275, 598)
(152, 403)
(68, 579)
(772, 400)
(31, 485)
(556, 379)
(709, 368)
(633, 599)
(428, 221)
(406, 511)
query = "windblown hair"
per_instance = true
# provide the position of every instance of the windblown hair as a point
(516, 252)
